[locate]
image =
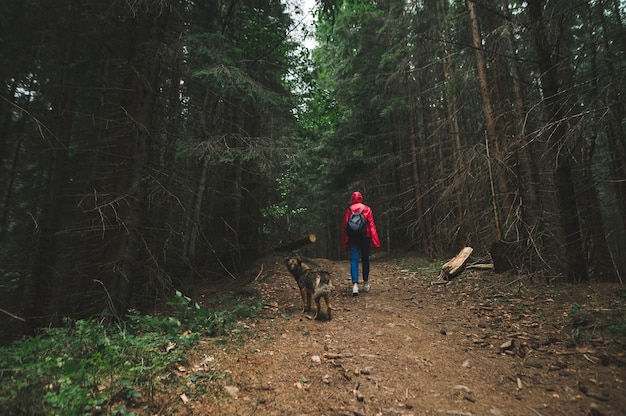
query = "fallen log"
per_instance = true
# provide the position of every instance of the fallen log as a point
(480, 266)
(456, 265)
(307, 239)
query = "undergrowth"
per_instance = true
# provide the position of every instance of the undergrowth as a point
(419, 265)
(589, 321)
(104, 366)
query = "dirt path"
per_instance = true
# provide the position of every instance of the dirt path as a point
(484, 344)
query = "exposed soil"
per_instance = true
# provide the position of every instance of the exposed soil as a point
(483, 344)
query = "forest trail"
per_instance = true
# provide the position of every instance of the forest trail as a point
(484, 344)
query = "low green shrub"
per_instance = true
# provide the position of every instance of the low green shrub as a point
(103, 366)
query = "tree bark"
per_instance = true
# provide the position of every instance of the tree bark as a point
(462, 200)
(523, 146)
(43, 289)
(292, 245)
(493, 138)
(423, 222)
(576, 266)
(135, 148)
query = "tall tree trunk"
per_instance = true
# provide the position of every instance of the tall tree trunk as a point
(39, 292)
(466, 228)
(210, 106)
(576, 268)
(138, 108)
(6, 119)
(192, 228)
(602, 262)
(423, 219)
(615, 119)
(17, 131)
(493, 138)
(531, 207)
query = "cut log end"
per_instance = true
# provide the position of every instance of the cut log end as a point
(456, 265)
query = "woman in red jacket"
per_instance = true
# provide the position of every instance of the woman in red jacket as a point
(359, 245)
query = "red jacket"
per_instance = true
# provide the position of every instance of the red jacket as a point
(357, 203)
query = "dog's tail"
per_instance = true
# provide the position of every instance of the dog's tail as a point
(324, 287)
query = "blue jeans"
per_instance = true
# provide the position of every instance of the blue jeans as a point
(359, 249)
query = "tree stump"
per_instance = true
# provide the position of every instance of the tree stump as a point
(508, 255)
(456, 265)
(307, 239)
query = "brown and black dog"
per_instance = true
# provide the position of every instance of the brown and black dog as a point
(312, 283)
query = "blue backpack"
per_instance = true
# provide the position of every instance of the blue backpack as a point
(356, 226)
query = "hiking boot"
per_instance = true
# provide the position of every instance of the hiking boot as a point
(355, 290)
(366, 287)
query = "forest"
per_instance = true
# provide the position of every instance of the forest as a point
(150, 145)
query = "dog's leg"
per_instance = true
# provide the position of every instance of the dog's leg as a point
(317, 304)
(303, 293)
(308, 300)
(328, 306)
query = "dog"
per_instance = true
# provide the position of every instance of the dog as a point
(312, 283)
